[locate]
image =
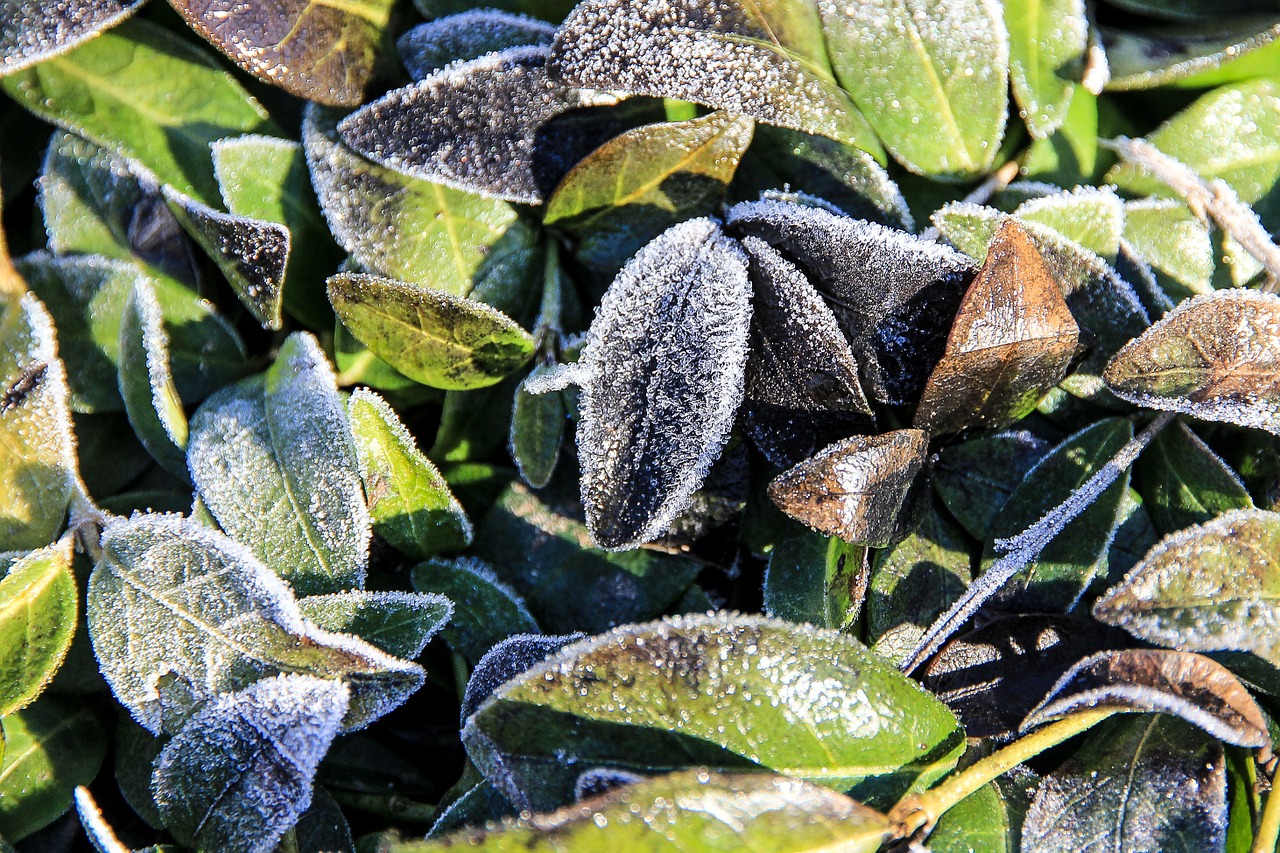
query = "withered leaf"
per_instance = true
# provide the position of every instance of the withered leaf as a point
(860, 489)
(993, 676)
(1216, 357)
(802, 380)
(1012, 340)
(320, 51)
(1199, 690)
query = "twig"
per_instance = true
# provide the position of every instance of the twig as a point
(1269, 829)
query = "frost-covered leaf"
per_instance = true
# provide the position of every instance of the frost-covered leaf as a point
(50, 748)
(686, 811)
(216, 619)
(399, 623)
(700, 52)
(428, 47)
(975, 478)
(146, 94)
(38, 613)
(932, 80)
(403, 227)
(433, 337)
(537, 430)
(893, 294)
(1168, 236)
(485, 610)
(802, 388)
(1092, 217)
(1013, 339)
(1146, 784)
(823, 709)
(817, 579)
(145, 380)
(861, 489)
(992, 676)
(409, 501)
(320, 51)
(37, 448)
(1216, 357)
(239, 774)
(474, 126)
(1159, 54)
(323, 828)
(1184, 482)
(505, 661)
(32, 31)
(1047, 43)
(274, 460)
(542, 549)
(1190, 686)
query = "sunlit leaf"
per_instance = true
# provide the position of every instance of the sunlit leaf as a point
(1070, 155)
(1092, 217)
(1185, 482)
(1047, 43)
(1141, 58)
(320, 51)
(399, 623)
(989, 820)
(38, 612)
(1178, 246)
(428, 47)
(32, 31)
(975, 478)
(485, 610)
(145, 380)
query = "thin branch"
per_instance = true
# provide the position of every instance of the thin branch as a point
(1269, 829)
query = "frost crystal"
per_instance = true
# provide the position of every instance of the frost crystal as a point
(32, 31)
(429, 47)
(508, 659)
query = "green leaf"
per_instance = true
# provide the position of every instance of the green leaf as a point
(1090, 217)
(1185, 483)
(147, 94)
(31, 31)
(399, 623)
(323, 52)
(216, 620)
(436, 338)
(485, 610)
(409, 501)
(37, 448)
(692, 810)
(274, 460)
(51, 747)
(1163, 54)
(146, 382)
(1070, 155)
(691, 52)
(984, 820)
(1178, 245)
(38, 614)
(537, 430)
(933, 84)
(817, 579)
(1047, 43)
(815, 704)
(976, 477)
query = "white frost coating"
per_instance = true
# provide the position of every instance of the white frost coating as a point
(468, 35)
(666, 356)
(240, 773)
(1090, 216)
(100, 833)
(557, 378)
(32, 31)
(220, 148)
(155, 342)
(387, 605)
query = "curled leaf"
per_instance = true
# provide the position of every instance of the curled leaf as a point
(145, 379)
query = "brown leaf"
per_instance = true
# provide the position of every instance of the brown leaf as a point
(1201, 691)
(860, 489)
(1012, 340)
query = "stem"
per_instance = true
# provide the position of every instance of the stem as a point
(460, 674)
(1027, 545)
(982, 193)
(678, 110)
(1269, 829)
(391, 807)
(547, 331)
(921, 811)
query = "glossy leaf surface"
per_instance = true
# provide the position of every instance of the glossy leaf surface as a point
(38, 610)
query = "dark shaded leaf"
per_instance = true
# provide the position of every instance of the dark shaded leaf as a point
(992, 676)
(428, 47)
(976, 477)
(32, 31)
(1047, 43)
(485, 610)
(38, 610)
(860, 489)
(135, 753)
(1186, 483)
(1161, 54)
(507, 660)
(145, 380)
(816, 579)
(399, 623)
(319, 51)
(1012, 340)
(323, 828)
(537, 430)
(1189, 686)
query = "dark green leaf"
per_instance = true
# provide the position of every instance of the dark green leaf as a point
(505, 661)
(145, 380)
(323, 828)
(37, 620)
(537, 430)
(135, 754)
(1047, 43)
(981, 821)
(816, 579)
(1186, 483)
(467, 35)
(31, 31)
(975, 478)
(399, 623)
(485, 610)
(1161, 54)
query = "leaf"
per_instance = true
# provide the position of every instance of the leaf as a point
(38, 613)
(485, 610)
(1186, 483)
(318, 51)
(135, 754)
(473, 126)
(1013, 339)
(802, 388)
(692, 52)
(1091, 217)
(933, 83)
(1195, 688)
(323, 828)
(399, 623)
(216, 619)
(816, 579)
(1167, 235)
(975, 478)
(690, 810)
(409, 502)
(537, 430)
(145, 380)
(1158, 55)
(861, 489)
(240, 773)
(146, 94)
(1205, 588)
(505, 661)
(1144, 784)
(399, 226)
(32, 31)
(1216, 357)
(37, 448)
(893, 294)
(1074, 558)
(428, 47)
(986, 820)
(51, 747)
(1070, 155)
(1047, 44)
(664, 681)
(546, 554)
(433, 337)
